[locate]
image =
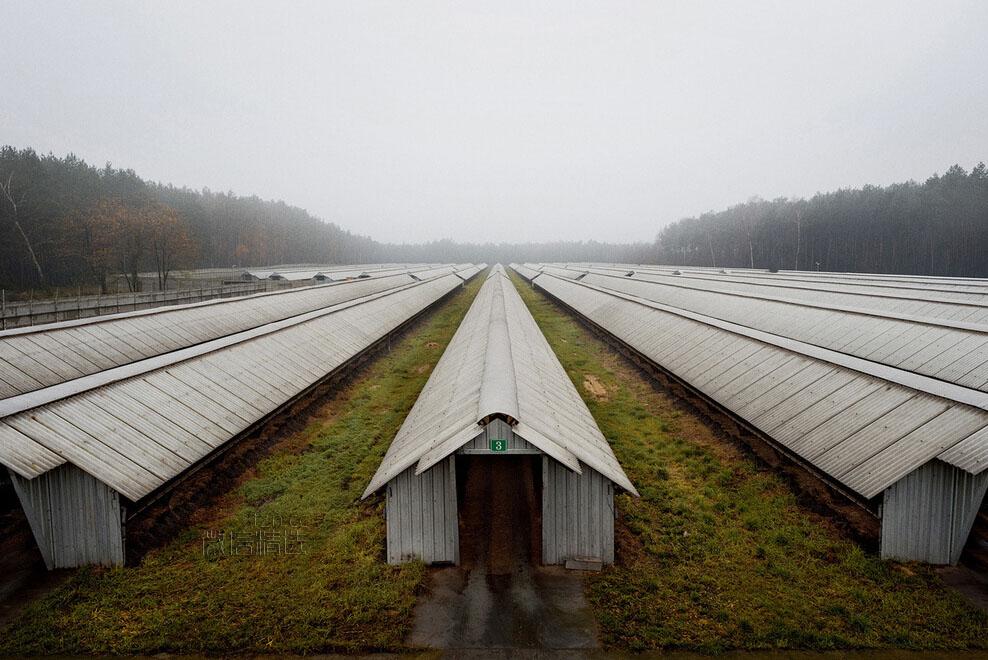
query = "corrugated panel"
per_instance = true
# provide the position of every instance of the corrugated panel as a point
(497, 345)
(917, 448)
(970, 454)
(950, 287)
(498, 429)
(25, 456)
(839, 412)
(924, 345)
(577, 514)
(422, 520)
(40, 356)
(890, 301)
(927, 515)
(525, 271)
(137, 432)
(75, 519)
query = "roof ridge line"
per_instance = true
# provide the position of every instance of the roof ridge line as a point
(849, 309)
(910, 379)
(47, 395)
(498, 385)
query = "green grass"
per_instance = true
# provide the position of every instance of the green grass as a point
(338, 595)
(717, 554)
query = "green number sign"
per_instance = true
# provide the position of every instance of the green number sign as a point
(499, 445)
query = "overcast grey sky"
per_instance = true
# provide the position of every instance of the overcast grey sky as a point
(502, 121)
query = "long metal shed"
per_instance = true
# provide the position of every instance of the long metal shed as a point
(40, 356)
(83, 453)
(890, 407)
(970, 304)
(955, 351)
(468, 271)
(499, 391)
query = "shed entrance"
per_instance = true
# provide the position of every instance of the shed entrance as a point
(500, 512)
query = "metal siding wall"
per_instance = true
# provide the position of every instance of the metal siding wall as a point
(927, 515)
(498, 428)
(76, 520)
(577, 514)
(421, 515)
(33, 495)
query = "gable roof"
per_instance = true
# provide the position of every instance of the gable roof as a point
(862, 401)
(136, 426)
(499, 365)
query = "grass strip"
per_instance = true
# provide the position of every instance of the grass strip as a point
(333, 593)
(717, 554)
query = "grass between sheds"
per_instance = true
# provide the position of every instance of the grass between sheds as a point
(717, 554)
(339, 595)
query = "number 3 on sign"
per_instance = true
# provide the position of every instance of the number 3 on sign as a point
(499, 445)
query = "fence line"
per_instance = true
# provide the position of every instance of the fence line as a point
(18, 314)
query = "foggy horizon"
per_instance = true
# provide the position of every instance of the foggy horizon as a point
(513, 124)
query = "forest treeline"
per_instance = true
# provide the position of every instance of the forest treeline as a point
(506, 253)
(939, 227)
(64, 222)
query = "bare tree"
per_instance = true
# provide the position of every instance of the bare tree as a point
(8, 193)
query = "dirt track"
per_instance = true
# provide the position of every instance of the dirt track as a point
(499, 597)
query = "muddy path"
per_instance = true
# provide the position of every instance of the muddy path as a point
(499, 597)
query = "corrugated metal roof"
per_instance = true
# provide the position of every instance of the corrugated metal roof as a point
(299, 275)
(468, 271)
(907, 301)
(44, 355)
(331, 271)
(950, 283)
(948, 350)
(864, 423)
(137, 426)
(499, 364)
(525, 271)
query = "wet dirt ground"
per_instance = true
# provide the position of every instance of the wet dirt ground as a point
(499, 597)
(22, 570)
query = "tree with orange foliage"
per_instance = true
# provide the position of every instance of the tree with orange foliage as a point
(171, 246)
(98, 229)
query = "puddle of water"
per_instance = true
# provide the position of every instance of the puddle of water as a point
(530, 608)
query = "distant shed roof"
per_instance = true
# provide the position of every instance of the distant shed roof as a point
(40, 356)
(953, 351)
(136, 426)
(499, 364)
(847, 391)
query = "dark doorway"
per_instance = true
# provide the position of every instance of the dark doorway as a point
(22, 568)
(500, 509)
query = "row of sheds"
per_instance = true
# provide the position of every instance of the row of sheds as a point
(878, 383)
(315, 273)
(98, 416)
(499, 391)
